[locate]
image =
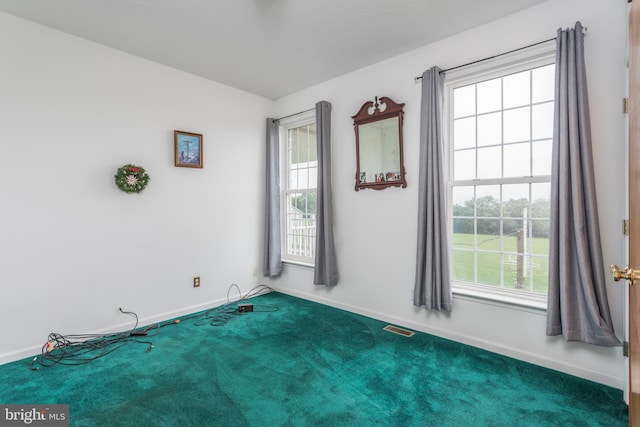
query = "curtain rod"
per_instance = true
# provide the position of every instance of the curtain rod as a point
(492, 57)
(294, 114)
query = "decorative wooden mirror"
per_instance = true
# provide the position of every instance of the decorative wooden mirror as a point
(379, 158)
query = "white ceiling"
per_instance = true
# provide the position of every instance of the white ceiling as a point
(268, 47)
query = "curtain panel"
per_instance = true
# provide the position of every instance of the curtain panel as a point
(326, 268)
(432, 282)
(577, 300)
(272, 262)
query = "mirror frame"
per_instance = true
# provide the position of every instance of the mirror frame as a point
(380, 109)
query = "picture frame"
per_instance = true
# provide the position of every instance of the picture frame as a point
(187, 149)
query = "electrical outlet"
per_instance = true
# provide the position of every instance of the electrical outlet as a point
(196, 282)
(255, 271)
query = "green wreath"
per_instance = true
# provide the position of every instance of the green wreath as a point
(131, 178)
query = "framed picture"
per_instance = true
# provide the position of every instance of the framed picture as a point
(188, 149)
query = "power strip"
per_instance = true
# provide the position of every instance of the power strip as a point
(245, 308)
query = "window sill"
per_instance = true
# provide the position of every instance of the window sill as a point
(501, 297)
(295, 263)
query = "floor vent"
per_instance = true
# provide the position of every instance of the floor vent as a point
(399, 331)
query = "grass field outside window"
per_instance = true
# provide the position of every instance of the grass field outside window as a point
(495, 261)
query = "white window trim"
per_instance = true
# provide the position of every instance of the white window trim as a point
(536, 56)
(298, 120)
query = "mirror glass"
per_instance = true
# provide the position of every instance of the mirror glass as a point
(379, 158)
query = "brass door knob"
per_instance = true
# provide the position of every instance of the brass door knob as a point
(626, 273)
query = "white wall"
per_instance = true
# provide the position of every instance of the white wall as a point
(375, 231)
(74, 248)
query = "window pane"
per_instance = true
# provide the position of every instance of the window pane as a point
(515, 207)
(541, 190)
(488, 201)
(312, 177)
(489, 162)
(542, 121)
(490, 129)
(516, 125)
(541, 151)
(510, 270)
(516, 90)
(489, 268)
(463, 236)
(293, 178)
(515, 198)
(464, 265)
(540, 230)
(517, 160)
(302, 142)
(464, 162)
(489, 234)
(302, 158)
(294, 146)
(464, 133)
(543, 83)
(514, 242)
(489, 190)
(463, 201)
(540, 271)
(301, 224)
(489, 95)
(540, 200)
(303, 178)
(312, 141)
(464, 101)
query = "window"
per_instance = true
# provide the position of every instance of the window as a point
(300, 173)
(500, 126)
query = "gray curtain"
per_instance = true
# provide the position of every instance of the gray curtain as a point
(432, 286)
(272, 265)
(577, 303)
(326, 270)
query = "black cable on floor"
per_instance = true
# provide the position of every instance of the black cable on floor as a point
(85, 348)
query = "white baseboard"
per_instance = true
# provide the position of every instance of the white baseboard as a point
(515, 353)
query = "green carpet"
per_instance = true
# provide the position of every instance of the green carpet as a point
(307, 364)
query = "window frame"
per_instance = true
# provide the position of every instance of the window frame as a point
(517, 61)
(299, 120)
